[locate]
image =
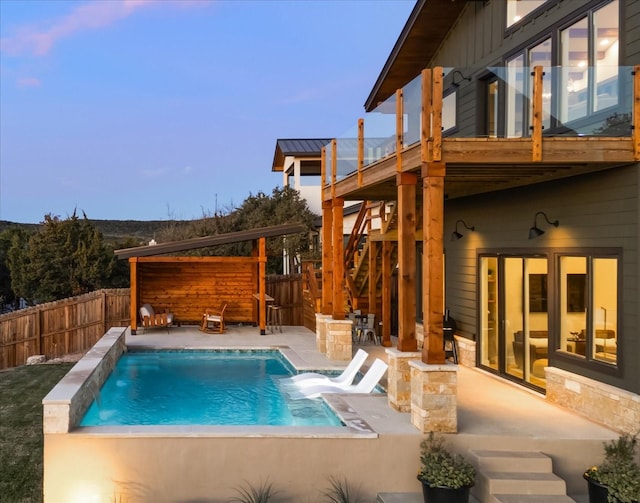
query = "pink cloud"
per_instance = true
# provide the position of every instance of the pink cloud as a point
(28, 82)
(39, 40)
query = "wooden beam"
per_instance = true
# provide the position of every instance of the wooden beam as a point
(133, 289)
(426, 116)
(360, 150)
(636, 112)
(338, 260)
(436, 104)
(406, 183)
(373, 276)
(262, 268)
(327, 257)
(433, 262)
(387, 269)
(399, 129)
(323, 171)
(334, 167)
(536, 133)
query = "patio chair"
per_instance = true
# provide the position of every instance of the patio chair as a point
(151, 319)
(366, 385)
(368, 329)
(213, 320)
(344, 379)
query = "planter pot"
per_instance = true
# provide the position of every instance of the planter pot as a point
(598, 493)
(444, 494)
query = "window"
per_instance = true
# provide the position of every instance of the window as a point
(589, 307)
(518, 9)
(515, 97)
(492, 108)
(589, 60)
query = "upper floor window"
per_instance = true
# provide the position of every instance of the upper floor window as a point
(518, 9)
(589, 61)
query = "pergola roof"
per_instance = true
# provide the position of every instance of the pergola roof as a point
(206, 241)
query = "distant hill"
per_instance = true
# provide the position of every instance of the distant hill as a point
(112, 230)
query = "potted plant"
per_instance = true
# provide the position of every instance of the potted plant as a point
(617, 479)
(445, 477)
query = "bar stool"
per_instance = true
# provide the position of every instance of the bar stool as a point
(274, 318)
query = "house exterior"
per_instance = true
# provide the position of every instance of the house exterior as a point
(514, 167)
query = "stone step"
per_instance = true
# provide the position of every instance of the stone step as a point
(532, 498)
(408, 498)
(521, 483)
(511, 461)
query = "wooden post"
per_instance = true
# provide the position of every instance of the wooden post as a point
(406, 183)
(373, 276)
(433, 262)
(338, 311)
(360, 150)
(636, 112)
(399, 129)
(262, 266)
(386, 293)
(327, 257)
(425, 137)
(536, 132)
(133, 289)
(436, 104)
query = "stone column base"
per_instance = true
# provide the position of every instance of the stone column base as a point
(339, 342)
(434, 391)
(399, 378)
(321, 331)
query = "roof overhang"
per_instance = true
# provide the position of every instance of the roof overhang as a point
(207, 241)
(429, 23)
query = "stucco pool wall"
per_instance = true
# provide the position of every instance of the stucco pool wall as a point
(209, 463)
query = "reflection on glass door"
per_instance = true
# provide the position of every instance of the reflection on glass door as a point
(515, 320)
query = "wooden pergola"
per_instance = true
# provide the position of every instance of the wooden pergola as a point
(188, 286)
(436, 168)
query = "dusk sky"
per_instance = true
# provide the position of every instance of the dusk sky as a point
(169, 109)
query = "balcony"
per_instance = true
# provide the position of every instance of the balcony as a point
(548, 123)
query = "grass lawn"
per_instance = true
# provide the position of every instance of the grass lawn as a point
(21, 392)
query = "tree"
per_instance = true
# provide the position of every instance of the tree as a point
(64, 258)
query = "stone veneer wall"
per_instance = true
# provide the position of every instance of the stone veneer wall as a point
(67, 402)
(466, 351)
(610, 406)
(339, 339)
(434, 390)
(321, 332)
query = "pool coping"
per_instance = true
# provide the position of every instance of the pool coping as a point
(65, 405)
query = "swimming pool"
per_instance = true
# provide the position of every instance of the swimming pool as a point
(202, 388)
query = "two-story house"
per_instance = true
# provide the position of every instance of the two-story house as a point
(512, 160)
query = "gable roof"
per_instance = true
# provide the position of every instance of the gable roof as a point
(206, 241)
(422, 35)
(297, 147)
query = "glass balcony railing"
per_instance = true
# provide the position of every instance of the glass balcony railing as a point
(576, 101)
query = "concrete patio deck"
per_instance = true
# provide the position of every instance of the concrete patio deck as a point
(492, 413)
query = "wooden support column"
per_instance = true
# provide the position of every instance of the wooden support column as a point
(406, 183)
(327, 257)
(387, 247)
(360, 150)
(636, 112)
(262, 291)
(536, 132)
(426, 139)
(338, 259)
(373, 275)
(432, 261)
(133, 290)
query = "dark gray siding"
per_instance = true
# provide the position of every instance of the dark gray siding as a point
(600, 210)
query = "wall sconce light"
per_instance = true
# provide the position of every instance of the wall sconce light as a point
(455, 235)
(536, 231)
(462, 77)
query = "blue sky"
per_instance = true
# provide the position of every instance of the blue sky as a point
(162, 109)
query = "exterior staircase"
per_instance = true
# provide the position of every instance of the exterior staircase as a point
(516, 477)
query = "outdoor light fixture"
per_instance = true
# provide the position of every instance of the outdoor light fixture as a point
(453, 80)
(455, 235)
(536, 231)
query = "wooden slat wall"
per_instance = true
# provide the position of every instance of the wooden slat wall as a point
(64, 327)
(287, 292)
(189, 288)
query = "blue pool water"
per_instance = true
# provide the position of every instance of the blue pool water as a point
(202, 388)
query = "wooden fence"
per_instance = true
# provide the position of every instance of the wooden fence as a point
(287, 292)
(63, 327)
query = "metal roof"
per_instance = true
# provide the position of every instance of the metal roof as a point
(297, 147)
(206, 241)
